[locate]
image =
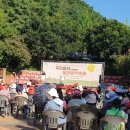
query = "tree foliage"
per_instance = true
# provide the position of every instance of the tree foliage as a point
(57, 28)
(35, 30)
(107, 41)
(121, 65)
(14, 53)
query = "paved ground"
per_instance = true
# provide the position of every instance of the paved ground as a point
(10, 123)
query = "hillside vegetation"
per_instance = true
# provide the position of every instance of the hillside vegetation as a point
(35, 30)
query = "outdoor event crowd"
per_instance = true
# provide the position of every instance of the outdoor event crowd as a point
(112, 101)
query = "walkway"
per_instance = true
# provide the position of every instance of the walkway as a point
(10, 123)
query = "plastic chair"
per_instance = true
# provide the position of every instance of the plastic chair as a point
(30, 104)
(12, 101)
(38, 114)
(85, 120)
(12, 95)
(3, 104)
(71, 112)
(70, 116)
(112, 123)
(20, 102)
(50, 120)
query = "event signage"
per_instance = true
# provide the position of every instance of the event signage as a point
(81, 73)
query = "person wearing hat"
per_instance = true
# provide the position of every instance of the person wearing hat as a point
(12, 88)
(91, 99)
(80, 87)
(68, 96)
(55, 103)
(76, 99)
(107, 103)
(93, 96)
(110, 97)
(74, 106)
(116, 111)
(90, 105)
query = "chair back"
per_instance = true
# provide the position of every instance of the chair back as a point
(20, 101)
(111, 123)
(51, 118)
(74, 109)
(86, 120)
(71, 112)
(12, 95)
(3, 101)
(30, 100)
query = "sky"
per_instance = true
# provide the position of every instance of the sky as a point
(113, 9)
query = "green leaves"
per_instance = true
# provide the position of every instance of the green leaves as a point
(57, 28)
(34, 30)
(121, 64)
(14, 53)
(107, 41)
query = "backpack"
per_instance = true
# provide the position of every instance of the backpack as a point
(19, 88)
(31, 90)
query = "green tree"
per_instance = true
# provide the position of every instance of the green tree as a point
(121, 65)
(107, 40)
(52, 29)
(57, 28)
(14, 53)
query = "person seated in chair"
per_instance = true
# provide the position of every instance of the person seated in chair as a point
(116, 110)
(76, 99)
(74, 107)
(55, 103)
(25, 107)
(90, 105)
(107, 103)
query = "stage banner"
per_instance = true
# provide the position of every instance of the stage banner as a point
(86, 74)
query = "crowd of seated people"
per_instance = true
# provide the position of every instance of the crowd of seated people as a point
(116, 101)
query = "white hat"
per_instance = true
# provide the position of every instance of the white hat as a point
(80, 88)
(53, 92)
(13, 86)
(29, 83)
